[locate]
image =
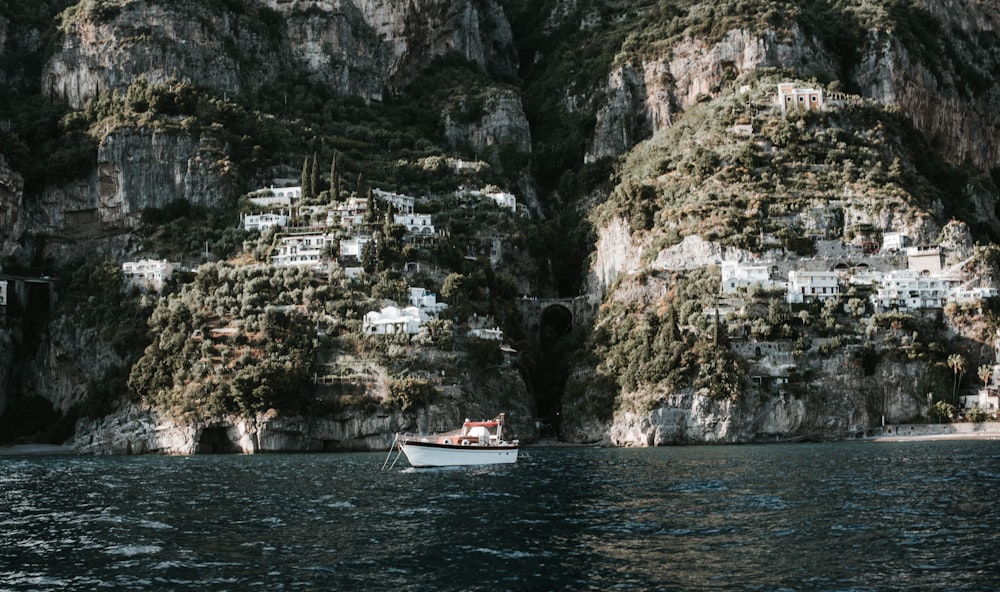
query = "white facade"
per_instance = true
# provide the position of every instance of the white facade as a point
(352, 247)
(501, 198)
(391, 320)
(264, 221)
(426, 301)
(300, 250)
(494, 334)
(736, 277)
(280, 196)
(147, 273)
(792, 99)
(971, 295)
(811, 286)
(893, 241)
(986, 400)
(401, 203)
(415, 223)
(349, 214)
(3, 292)
(910, 290)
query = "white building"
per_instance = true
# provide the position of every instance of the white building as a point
(501, 198)
(494, 334)
(910, 290)
(349, 214)
(793, 99)
(391, 320)
(736, 277)
(262, 222)
(894, 241)
(277, 196)
(971, 295)
(302, 250)
(352, 247)
(147, 273)
(3, 292)
(812, 286)
(420, 224)
(400, 203)
(426, 301)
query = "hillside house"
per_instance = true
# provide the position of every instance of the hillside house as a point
(971, 295)
(352, 247)
(392, 320)
(894, 241)
(925, 259)
(910, 290)
(147, 274)
(500, 198)
(301, 250)
(812, 286)
(277, 196)
(494, 334)
(400, 203)
(349, 214)
(796, 100)
(420, 224)
(426, 301)
(737, 277)
(262, 222)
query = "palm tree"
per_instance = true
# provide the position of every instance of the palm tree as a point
(957, 364)
(985, 374)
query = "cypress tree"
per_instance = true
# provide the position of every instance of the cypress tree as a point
(304, 181)
(334, 180)
(314, 177)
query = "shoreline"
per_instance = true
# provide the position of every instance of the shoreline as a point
(36, 450)
(932, 432)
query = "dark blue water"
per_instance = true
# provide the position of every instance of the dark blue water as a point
(846, 517)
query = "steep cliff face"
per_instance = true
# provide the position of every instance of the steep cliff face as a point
(360, 48)
(644, 95)
(11, 211)
(844, 403)
(137, 169)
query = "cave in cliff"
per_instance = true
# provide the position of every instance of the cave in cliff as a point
(550, 376)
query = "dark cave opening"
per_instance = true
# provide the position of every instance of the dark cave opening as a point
(554, 323)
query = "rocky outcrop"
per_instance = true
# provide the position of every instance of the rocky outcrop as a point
(842, 403)
(501, 124)
(141, 430)
(361, 48)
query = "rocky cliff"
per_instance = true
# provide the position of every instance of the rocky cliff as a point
(360, 48)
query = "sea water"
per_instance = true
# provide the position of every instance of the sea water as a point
(791, 517)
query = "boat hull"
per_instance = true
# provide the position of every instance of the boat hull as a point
(431, 454)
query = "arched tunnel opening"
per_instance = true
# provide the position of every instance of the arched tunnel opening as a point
(554, 323)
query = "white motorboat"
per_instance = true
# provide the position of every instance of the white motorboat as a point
(475, 443)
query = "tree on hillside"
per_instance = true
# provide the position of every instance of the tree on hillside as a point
(957, 364)
(304, 179)
(334, 179)
(314, 177)
(985, 374)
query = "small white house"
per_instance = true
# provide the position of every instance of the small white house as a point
(401, 203)
(147, 273)
(426, 301)
(494, 334)
(419, 224)
(302, 250)
(736, 277)
(812, 286)
(277, 196)
(391, 320)
(262, 222)
(352, 247)
(3, 292)
(793, 99)
(893, 241)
